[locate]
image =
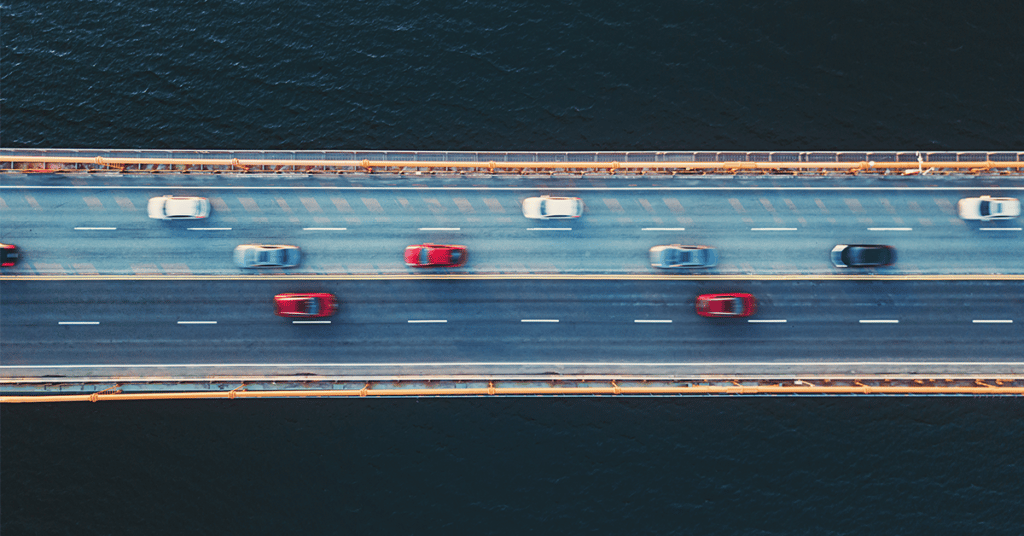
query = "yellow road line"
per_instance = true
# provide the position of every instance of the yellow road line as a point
(541, 277)
(532, 391)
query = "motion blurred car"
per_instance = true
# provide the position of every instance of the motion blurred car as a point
(171, 207)
(862, 255)
(987, 208)
(438, 255)
(726, 305)
(546, 207)
(8, 255)
(679, 256)
(266, 256)
(313, 305)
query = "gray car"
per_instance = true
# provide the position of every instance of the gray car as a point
(267, 256)
(679, 256)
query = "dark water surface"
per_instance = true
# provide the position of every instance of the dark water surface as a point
(913, 466)
(514, 75)
(530, 75)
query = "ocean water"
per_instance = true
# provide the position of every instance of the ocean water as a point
(516, 75)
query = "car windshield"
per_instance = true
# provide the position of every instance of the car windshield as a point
(984, 208)
(309, 305)
(456, 255)
(424, 256)
(732, 305)
(543, 207)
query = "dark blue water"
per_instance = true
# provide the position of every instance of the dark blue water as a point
(539, 75)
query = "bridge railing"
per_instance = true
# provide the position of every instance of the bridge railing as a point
(642, 162)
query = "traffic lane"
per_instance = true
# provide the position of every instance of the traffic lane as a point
(894, 206)
(379, 250)
(484, 322)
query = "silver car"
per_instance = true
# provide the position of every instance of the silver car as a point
(267, 256)
(170, 207)
(679, 256)
(546, 207)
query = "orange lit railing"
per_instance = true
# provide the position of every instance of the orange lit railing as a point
(400, 162)
(484, 388)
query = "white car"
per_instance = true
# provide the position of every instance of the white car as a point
(986, 208)
(546, 207)
(171, 207)
(267, 256)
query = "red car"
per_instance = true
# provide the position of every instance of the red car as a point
(8, 254)
(425, 255)
(724, 305)
(305, 305)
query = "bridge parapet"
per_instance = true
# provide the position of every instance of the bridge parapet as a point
(449, 162)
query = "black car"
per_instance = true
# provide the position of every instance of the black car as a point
(8, 255)
(862, 255)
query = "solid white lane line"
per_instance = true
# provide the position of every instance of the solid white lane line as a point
(440, 228)
(773, 228)
(1000, 228)
(879, 321)
(771, 321)
(428, 321)
(197, 321)
(549, 229)
(209, 228)
(663, 229)
(95, 228)
(539, 320)
(652, 321)
(311, 321)
(77, 323)
(325, 228)
(992, 321)
(890, 228)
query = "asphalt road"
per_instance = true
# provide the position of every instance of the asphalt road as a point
(95, 228)
(511, 327)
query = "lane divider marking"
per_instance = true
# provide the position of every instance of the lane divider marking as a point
(539, 320)
(1000, 228)
(78, 323)
(652, 321)
(311, 321)
(771, 321)
(773, 228)
(663, 229)
(325, 228)
(197, 321)
(209, 228)
(522, 276)
(440, 228)
(549, 229)
(95, 228)
(879, 321)
(890, 228)
(428, 321)
(992, 321)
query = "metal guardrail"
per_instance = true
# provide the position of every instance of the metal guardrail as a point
(723, 386)
(400, 162)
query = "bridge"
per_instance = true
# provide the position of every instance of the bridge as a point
(107, 304)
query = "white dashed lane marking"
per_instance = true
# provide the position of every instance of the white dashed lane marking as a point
(1000, 228)
(663, 229)
(78, 323)
(95, 228)
(311, 321)
(652, 321)
(890, 228)
(550, 320)
(771, 321)
(440, 228)
(773, 228)
(197, 321)
(325, 228)
(428, 321)
(992, 321)
(879, 321)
